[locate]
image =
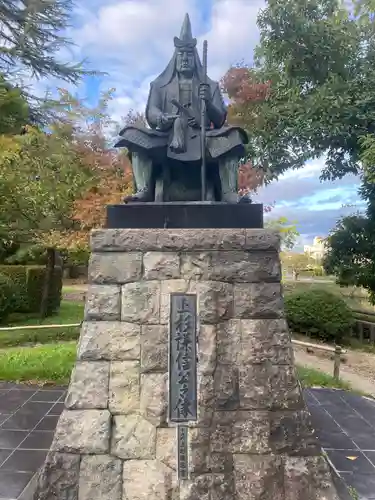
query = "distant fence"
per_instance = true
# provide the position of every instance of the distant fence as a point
(38, 327)
(336, 351)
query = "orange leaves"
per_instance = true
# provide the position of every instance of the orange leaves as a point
(241, 86)
(246, 93)
(112, 180)
(249, 178)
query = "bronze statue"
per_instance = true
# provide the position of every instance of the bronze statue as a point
(166, 158)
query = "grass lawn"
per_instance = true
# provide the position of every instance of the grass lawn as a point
(53, 363)
(314, 378)
(70, 312)
(74, 288)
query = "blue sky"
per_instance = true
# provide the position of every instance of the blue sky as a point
(132, 40)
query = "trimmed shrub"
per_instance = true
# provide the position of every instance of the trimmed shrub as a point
(35, 283)
(18, 275)
(29, 282)
(7, 295)
(319, 314)
(318, 271)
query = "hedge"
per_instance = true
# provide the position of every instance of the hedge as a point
(319, 313)
(29, 282)
(18, 276)
(7, 296)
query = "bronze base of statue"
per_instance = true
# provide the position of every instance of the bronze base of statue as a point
(197, 215)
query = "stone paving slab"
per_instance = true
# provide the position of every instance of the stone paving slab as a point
(28, 417)
(345, 424)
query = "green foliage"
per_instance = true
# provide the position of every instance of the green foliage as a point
(41, 176)
(35, 283)
(69, 313)
(14, 110)
(319, 314)
(56, 183)
(50, 363)
(295, 262)
(314, 378)
(33, 32)
(351, 244)
(319, 59)
(78, 256)
(288, 231)
(7, 292)
(29, 281)
(16, 338)
(318, 271)
(353, 493)
(18, 276)
(28, 255)
(343, 258)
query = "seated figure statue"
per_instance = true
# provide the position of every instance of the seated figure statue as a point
(166, 156)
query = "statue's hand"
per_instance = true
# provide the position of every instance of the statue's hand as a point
(167, 120)
(192, 122)
(205, 92)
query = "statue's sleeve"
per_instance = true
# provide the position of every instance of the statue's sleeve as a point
(217, 110)
(154, 107)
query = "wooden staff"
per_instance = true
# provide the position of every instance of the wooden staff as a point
(203, 125)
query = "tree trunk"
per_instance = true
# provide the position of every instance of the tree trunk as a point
(50, 268)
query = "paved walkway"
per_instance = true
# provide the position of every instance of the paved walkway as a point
(28, 417)
(344, 422)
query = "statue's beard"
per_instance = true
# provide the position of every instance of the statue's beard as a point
(187, 72)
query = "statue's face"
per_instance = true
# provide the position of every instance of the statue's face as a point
(185, 62)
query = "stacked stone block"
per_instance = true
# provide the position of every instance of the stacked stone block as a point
(252, 440)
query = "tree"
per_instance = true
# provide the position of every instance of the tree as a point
(32, 35)
(41, 178)
(110, 169)
(288, 231)
(295, 262)
(57, 184)
(346, 245)
(14, 110)
(244, 92)
(351, 244)
(319, 59)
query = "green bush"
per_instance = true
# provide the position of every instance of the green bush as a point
(18, 275)
(79, 256)
(7, 295)
(35, 283)
(318, 313)
(26, 255)
(29, 281)
(318, 271)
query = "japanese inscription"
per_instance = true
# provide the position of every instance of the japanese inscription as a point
(183, 358)
(182, 452)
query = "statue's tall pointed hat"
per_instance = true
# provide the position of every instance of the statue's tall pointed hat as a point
(186, 39)
(187, 42)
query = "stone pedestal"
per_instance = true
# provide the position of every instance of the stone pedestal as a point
(252, 439)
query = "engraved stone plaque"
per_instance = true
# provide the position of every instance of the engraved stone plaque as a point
(182, 452)
(183, 358)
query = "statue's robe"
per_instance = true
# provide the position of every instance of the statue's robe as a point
(221, 139)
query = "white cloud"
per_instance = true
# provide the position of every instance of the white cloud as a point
(233, 33)
(132, 40)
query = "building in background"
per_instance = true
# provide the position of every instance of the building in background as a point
(317, 250)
